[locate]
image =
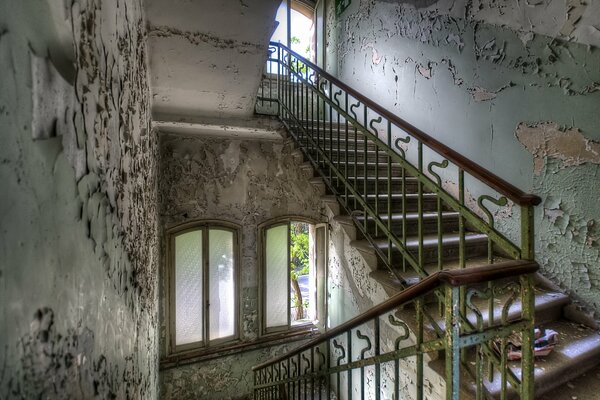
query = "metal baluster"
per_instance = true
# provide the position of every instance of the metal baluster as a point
(346, 149)
(312, 370)
(462, 247)
(452, 342)
(279, 81)
(299, 377)
(419, 304)
(349, 340)
(389, 195)
(330, 131)
(420, 208)
(378, 364)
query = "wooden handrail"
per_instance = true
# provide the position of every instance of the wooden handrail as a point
(460, 277)
(495, 182)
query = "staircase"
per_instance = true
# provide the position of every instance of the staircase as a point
(410, 226)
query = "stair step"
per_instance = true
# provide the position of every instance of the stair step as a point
(449, 222)
(430, 222)
(411, 201)
(577, 351)
(475, 245)
(371, 168)
(396, 183)
(410, 277)
(584, 387)
(548, 307)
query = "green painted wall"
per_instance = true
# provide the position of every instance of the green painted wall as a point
(515, 86)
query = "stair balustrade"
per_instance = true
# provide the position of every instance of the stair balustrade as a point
(422, 208)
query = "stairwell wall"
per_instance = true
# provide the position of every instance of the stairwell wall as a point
(78, 237)
(247, 182)
(515, 86)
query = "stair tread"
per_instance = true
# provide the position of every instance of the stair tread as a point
(410, 277)
(584, 387)
(578, 349)
(396, 196)
(428, 240)
(412, 216)
(544, 300)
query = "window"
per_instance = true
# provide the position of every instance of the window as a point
(293, 275)
(203, 285)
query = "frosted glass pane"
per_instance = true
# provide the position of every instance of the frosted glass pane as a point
(188, 288)
(276, 296)
(221, 284)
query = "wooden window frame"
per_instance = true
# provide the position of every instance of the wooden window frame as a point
(321, 295)
(170, 309)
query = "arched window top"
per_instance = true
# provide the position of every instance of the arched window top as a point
(302, 27)
(203, 278)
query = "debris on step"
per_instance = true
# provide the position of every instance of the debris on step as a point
(545, 340)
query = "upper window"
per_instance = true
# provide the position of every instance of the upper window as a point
(301, 28)
(292, 275)
(203, 285)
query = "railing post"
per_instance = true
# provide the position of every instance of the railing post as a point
(527, 233)
(452, 342)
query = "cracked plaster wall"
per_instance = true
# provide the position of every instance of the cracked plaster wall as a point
(78, 237)
(246, 182)
(514, 85)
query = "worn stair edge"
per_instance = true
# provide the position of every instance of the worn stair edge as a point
(572, 357)
(429, 241)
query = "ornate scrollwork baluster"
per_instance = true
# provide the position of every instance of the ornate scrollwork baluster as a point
(431, 165)
(372, 122)
(365, 338)
(322, 85)
(399, 147)
(286, 373)
(342, 352)
(396, 322)
(352, 107)
(501, 202)
(514, 289)
(312, 78)
(296, 371)
(307, 363)
(335, 99)
(321, 358)
(482, 294)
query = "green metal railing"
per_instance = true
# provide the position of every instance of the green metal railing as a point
(419, 204)
(378, 345)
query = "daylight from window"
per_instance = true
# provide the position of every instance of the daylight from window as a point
(290, 275)
(301, 30)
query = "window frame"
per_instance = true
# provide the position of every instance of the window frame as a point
(262, 276)
(170, 309)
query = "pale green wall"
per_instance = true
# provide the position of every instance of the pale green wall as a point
(514, 86)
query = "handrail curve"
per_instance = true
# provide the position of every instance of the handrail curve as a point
(454, 278)
(492, 180)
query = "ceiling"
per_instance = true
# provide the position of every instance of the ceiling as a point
(206, 57)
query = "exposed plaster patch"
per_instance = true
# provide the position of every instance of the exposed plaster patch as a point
(575, 10)
(548, 140)
(197, 38)
(426, 71)
(480, 94)
(375, 56)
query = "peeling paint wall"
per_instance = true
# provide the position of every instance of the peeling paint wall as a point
(78, 237)
(514, 85)
(246, 182)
